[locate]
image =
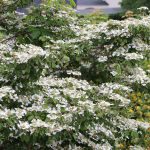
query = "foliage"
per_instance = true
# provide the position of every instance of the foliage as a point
(117, 16)
(94, 17)
(134, 4)
(67, 83)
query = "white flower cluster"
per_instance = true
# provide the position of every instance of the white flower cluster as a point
(108, 90)
(97, 128)
(143, 8)
(27, 52)
(133, 56)
(5, 90)
(61, 99)
(64, 82)
(139, 76)
(75, 73)
(130, 124)
(94, 146)
(136, 148)
(139, 45)
(94, 31)
(102, 59)
(5, 47)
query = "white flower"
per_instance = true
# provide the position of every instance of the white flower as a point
(143, 8)
(136, 148)
(102, 59)
(86, 65)
(27, 52)
(37, 123)
(133, 56)
(20, 113)
(117, 97)
(75, 73)
(104, 104)
(114, 73)
(139, 76)
(5, 90)
(24, 125)
(6, 113)
(5, 48)
(129, 124)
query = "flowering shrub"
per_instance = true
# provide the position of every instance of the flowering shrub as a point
(73, 85)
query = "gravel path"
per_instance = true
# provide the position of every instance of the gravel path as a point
(107, 6)
(91, 2)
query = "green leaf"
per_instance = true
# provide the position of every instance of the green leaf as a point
(73, 4)
(35, 34)
(25, 138)
(66, 58)
(134, 134)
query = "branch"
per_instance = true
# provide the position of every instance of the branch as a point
(14, 36)
(5, 40)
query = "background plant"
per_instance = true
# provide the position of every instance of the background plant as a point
(133, 5)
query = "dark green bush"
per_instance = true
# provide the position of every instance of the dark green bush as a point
(134, 4)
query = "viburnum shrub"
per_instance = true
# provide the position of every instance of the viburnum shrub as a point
(66, 83)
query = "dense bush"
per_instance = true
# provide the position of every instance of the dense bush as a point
(134, 4)
(67, 83)
(117, 16)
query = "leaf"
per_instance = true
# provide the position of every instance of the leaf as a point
(134, 134)
(72, 3)
(66, 58)
(25, 138)
(35, 34)
(119, 71)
